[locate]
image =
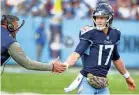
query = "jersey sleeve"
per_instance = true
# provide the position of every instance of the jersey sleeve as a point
(85, 33)
(116, 54)
(82, 47)
(85, 40)
(118, 36)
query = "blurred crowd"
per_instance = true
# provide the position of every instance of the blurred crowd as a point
(124, 9)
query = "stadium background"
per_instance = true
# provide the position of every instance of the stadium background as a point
(75, 14)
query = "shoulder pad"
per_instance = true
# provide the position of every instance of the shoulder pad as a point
(86, 29)
(118, 31)
(115, 28)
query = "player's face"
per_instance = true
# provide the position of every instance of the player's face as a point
(101, 21)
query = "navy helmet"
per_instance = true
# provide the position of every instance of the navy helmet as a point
(103, 9)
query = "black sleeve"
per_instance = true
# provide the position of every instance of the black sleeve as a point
(119, 36)
(82, 46)
(116, 55)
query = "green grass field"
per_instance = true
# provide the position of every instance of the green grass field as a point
(48, 83)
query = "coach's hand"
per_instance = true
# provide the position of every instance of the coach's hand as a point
(58, 67)
(131, 83)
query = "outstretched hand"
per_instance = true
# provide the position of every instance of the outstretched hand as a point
(58, 67)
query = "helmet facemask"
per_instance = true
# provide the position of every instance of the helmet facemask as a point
(108, 21)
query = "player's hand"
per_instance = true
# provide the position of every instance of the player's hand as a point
(58, 67)
(131, 83)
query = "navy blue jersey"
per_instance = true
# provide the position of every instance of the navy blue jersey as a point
(6, 41)
(97, 49)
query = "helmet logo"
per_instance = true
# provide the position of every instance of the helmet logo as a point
(98, 13)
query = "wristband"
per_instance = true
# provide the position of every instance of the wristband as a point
(126, 75)
(66, 65)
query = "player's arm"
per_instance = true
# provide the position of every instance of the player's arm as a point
(118, 61)
(84, 43)
(80, 49)
(119, 64)
(22, 59)
(116, 57)
(121, 67)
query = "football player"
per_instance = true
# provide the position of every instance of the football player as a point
(97, 48)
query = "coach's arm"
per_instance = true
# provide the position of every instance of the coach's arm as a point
(15, 51)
